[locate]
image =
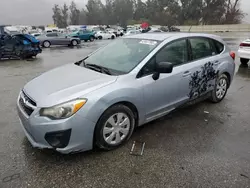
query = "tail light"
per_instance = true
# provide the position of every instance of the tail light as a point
(245, 45)
(232, 54)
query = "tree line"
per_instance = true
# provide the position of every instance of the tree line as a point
(158, 12)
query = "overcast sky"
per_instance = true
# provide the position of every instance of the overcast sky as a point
(39, 12)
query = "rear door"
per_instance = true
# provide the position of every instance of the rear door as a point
(62, 39)
(84, 35)
(201, 70)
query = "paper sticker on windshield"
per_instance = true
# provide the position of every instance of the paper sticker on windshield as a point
(148, 42)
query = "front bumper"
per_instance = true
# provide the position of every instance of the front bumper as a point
(42, 132)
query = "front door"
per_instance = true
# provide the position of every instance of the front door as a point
(170, 90)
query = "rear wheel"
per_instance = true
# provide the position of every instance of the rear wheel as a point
(115, 127)
(100, 37)
(46, 44)
(220, 89)
(113, 37)
(92, 39)
(74, 42)
(244, 61)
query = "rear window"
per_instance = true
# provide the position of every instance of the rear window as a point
(219, 46)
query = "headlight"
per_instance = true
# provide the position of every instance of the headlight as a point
(64, 110)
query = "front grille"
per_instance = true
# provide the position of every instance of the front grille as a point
(29, 99)
(27, 104)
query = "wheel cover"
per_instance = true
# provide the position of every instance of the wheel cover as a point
(74, 43)
(221, 88)
(46, 44)
(116, 128)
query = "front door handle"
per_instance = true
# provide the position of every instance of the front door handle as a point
(186, 73)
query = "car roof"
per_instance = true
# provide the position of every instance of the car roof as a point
(164, 35)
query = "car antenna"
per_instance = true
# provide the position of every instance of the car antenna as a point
(190, 28)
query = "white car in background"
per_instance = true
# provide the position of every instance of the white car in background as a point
(35, 34)
(132, 32)
(244, 52)
(105, 35)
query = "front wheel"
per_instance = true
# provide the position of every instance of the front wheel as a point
(244, 61)
(220, 89)
(113, 37)
(115, 127)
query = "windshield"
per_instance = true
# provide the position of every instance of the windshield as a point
(122, 55)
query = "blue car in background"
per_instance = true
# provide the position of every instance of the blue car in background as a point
(19, 46)
(85, 35)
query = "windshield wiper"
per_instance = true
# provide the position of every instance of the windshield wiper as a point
(98, 68)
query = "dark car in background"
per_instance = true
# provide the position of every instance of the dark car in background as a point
(18, 46)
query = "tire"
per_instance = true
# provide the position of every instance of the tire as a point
(91, 38)
(121, 34)
(74, 43)
(46, 44)
(110, 140)
(112, 37)
(100, 37)
(244, 61)
(220, 89)
(85, 40)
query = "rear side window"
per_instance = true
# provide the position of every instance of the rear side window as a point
(219, 46)
(201, 48)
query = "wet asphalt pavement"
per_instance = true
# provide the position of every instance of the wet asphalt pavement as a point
(187, 148)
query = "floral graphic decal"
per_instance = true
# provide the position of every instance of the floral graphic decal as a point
(202, 80)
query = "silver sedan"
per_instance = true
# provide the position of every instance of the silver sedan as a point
(48, 39)
(136, 79)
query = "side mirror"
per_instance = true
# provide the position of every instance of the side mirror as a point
(162, 67)
(66, 36)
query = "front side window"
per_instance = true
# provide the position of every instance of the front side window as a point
(122, 55)
(52, 35)
(175, 53)
(200, 48)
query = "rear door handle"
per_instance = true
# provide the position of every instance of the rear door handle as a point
(186, 73)
(217, 62)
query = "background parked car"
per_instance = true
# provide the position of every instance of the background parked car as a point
(35, 34)
(18, 46)
(244, 52)
(104, 35)
(48, 39)
(132, 32)
(85, 35)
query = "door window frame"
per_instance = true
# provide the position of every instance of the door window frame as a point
(189, 50)
(211, 44)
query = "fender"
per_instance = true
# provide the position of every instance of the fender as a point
(135, 97)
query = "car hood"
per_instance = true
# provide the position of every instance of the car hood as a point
(65, 83)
